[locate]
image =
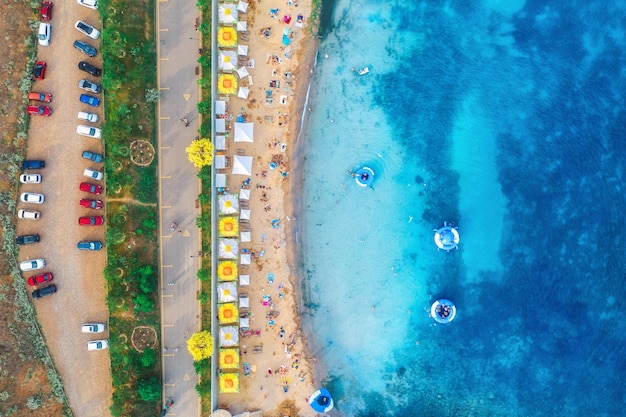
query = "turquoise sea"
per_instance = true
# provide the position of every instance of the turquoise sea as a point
(508, 119)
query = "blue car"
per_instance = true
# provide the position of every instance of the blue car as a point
(91, 100)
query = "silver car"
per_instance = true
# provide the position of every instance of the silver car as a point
(32, 198)
(32, 264)
(98, 344)
(92, 328)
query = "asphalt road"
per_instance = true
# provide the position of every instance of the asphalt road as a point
(178, 44)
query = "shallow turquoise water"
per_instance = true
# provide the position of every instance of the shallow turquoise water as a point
(506, 118)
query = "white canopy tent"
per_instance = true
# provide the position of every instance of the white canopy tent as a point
(245, 259)
(220, 107)
(227, 13)
(244, 132)
(245, 237)
(242, 50)
(244, 214)
(244, 280)
(243, 93)
(244, 302)
(242, 26)
(220, 143)
(242, 6)
(242, 165)
(220, 126)
(228, 248)
(220, 180)
(220, 161)
(227, 60)
(242, 72)
(244, 194)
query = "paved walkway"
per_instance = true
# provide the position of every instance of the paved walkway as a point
(177, 52)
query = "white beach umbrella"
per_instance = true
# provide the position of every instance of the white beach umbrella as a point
(242, 165)
(245, 237)
(243, 93)
(227, 291)
(227, 61)
(244, 194)
(244, 302)
(245, 214)
(244, 132)
(244, 280)
(219, 161)
(227, 13)
(242, 72)
(242, 26)
(220, 143)
(228, 248)
(242, 6)
(245, 259)
(244, 323)
(229, 336)
(228, 203)
(242, 50)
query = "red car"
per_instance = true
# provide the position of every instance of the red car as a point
(40, 279)
(90, 188)
(39, 72)
(45, 97)
(46, 10)
(92, 204)
(40, 110)
(91, 221)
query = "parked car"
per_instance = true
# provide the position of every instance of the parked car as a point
(42, 292)
(89, 245)
(87, 29)
(85, 48)
(45, 97)
(44, 33)
(27, 239)
(90, 117)
(90, 188)
(34, 198)
(89, 86)
(91, 204)
(40, 110)
(30, 178)
(91, 100)
(39, 72)
(28, 214)
(91, 221)
(46, 10)
(32, 264)
(92, 132)
(39, 279)
(33, 164)
(93, 174)
(92, 156)
(92, 4)
(92, 328)
(97, 344)
(88, 68)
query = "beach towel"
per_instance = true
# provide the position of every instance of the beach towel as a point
(270, 278)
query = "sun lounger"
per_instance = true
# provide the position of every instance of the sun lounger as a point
(241, 152)
(258, 349)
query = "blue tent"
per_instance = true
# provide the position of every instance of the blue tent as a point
(321, 401)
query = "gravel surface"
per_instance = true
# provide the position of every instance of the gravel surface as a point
(77, 274)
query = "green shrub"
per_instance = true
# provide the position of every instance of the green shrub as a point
(203, 297)
(148, 358)
(203, 274)
(204, 107)
(149, 389)
(143, 303)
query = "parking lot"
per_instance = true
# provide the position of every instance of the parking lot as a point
(77, 273)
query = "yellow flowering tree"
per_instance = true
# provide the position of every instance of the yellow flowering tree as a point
(200, 152)
(200, 345)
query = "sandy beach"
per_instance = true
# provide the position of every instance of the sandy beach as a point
(281, 374)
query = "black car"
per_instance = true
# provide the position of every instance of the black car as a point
(88, 68)
(92, 156)
(43, 291)
(33, 164)
(86, 48)
(27, 239)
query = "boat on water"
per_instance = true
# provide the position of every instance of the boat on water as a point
(364, 70)
(363, 176)
(447, 237)
(443, 311)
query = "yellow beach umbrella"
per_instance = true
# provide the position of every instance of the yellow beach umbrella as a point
(227, 37)
(229, 227)
(227, 271)
(229, 358)
(227, 84)
(227, 313)
(229, 382)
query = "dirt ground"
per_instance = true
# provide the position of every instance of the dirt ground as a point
(77, 274)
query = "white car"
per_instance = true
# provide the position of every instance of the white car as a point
(92, 328)
(44, 34)
(92, 4)
(28, 214)
(98, 344)
(30, 178)
(92, 132)
(87, 29)
(32, 264)
(93, 174)
(32, 198)
(90, 117)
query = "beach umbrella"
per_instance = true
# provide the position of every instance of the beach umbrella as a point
(226, 37)
(242, 26)
(220, 160)
(227, 313)
(227, 61)
(242, 50)
(244, 302)
(242, 165)
(229, 336)
(229, 383)
(244, 280)
(244, 194)
(220, 143)
(228, 226)
(321, 401)
(227, 83)
(245, 214)
(227, 271)
(228, 248)
(242, 6)
(227, 291)
(243, 92)
(244, 132)
(229, 358)
(227, 13)
(221, 413)
(244, 323)
(228, 204)
(245, 259)
(245, 237)
(242, 73)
